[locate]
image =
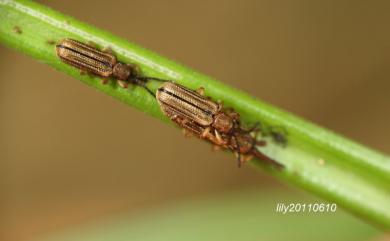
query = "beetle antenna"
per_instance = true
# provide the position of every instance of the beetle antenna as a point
(142, 83)
(145, 78)
(237, 150)
(254, 128)
(267, 159)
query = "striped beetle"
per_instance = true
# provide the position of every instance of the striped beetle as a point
(208, 120)
(101, 63)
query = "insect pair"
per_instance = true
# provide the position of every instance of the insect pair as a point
(191, 110)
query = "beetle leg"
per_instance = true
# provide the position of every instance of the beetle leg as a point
(220, 104)
(247, 158)
(184, 121)
(200, 90)
(267, 159)
(123, 84)
(205, 133)
(239, 159)
(92, 44)
(231, 112)
(87, 73)
(237, 151)
(108, 50)
(186, 133)
(219, 139)
(180, 121)
(254, 128)
(104, 81)
(174, 118)
(256, 142)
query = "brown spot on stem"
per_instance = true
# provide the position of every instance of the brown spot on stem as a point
(50, 42)
(17, 30)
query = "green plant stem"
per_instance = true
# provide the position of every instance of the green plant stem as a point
(316, 159)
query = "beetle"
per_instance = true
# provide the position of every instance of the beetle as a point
(205, 118)
(101, 63)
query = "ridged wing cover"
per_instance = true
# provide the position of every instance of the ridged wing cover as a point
(178, 101)
(85, 57)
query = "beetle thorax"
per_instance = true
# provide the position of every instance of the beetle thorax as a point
(121, 71)
(223, 123)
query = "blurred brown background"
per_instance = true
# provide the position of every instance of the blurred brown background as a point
(70, 154)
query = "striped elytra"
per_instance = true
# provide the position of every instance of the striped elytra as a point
(86, 58)
(176, 100)
(101, 63)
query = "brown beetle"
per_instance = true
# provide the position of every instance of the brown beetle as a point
(206, 119)
(101, 63)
